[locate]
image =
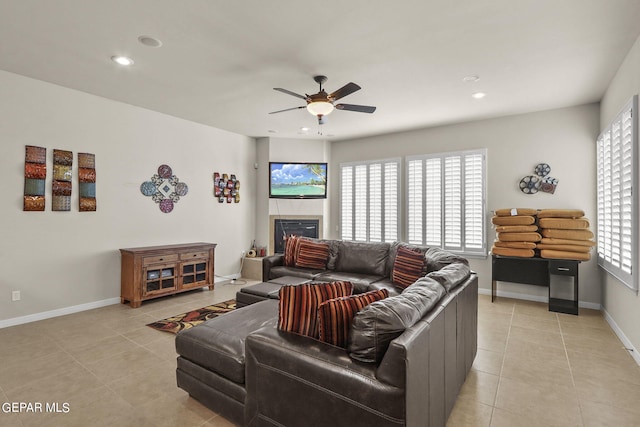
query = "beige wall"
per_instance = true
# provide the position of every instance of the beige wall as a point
(622, 305)
(564, 138)
(60, 260)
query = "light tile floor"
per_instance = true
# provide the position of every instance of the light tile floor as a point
(533, 368)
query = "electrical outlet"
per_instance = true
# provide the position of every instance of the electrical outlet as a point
(15, 295)
(243, 254)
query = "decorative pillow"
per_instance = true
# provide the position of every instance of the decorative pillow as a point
(298, 305)
(407, 268)
(336, 315)
(312, 254)
(291, 250)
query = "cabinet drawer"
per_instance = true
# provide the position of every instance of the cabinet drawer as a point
(563, 268)
(194, 255)
(160, 258)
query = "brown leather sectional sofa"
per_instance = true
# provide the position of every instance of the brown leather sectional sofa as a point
(408, 357)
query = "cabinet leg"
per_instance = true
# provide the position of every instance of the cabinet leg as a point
(210, 287)
(135, 304)
(493, 290)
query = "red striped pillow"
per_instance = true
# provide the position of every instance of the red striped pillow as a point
(312, 254)
(407, 267)
(335, 316)
(291, 250)
(298, 306)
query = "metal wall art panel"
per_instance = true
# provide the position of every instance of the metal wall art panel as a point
(61, 185)
(87, 181)
(35, 173)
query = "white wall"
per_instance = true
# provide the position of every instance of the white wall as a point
(63, 259)
(564, 138)
(621, 303)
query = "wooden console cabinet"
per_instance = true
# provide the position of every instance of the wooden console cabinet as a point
(157, 271)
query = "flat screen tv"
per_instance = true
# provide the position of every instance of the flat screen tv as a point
(297, 180)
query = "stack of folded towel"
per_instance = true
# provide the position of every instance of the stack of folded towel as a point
(565, 234)
(516, 232)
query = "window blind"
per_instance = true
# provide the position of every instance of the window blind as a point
(617, 175)
(446, 201)
(369, 200)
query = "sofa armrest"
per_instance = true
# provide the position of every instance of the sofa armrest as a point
(269, 262)
(296, 380)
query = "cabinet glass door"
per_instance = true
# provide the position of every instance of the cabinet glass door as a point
(194, 274)
(159, 279)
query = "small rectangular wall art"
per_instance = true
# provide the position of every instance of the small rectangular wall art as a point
(61, 185)
(35, 173)
(87, 181)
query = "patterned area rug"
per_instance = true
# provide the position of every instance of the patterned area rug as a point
(193, 318)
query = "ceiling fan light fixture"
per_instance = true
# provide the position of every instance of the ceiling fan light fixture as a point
(320, 108)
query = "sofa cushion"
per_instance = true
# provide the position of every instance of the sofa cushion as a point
(376, 325)
(312, 254)
(362, 257)
(361, 282)
(407, 268)
(336, 315)
(307, 273)
(451, 275)
(298, 305)
(436, 258)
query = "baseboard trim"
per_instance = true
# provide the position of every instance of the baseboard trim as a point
(625, 341)
(56, 313)
(536, 298)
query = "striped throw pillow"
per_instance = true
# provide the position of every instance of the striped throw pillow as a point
(298, 305)
(290, 250)
(312, 254)
(407, 267)
(335, 316)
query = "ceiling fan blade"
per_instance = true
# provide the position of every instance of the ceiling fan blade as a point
(288, 92)
(345, 90)
(358, 108)
(288, 109)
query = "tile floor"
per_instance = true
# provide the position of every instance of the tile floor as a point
(533, 368)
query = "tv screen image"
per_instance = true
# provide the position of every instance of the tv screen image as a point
(297, 180)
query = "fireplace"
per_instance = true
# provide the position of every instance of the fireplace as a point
(285, 227)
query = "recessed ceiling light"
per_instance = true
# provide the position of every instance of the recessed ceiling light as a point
(272, 131)
(304, 129)
(122, 60)
(149, 41)
(471, 79)
(478, 95)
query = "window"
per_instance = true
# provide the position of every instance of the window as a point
(369, 200)
(446, 201)
(617, 175)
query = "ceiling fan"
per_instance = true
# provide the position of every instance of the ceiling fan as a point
(321, 104)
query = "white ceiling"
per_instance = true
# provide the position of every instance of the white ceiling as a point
(221, 59)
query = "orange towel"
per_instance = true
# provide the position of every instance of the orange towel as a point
(516, 228)
(569, 248)
(514, 245)
(519, 237)
(522, 253)
(513, 220)
(554, 241)
(560, 213)
(564, 223)
(577, 256)
(516, 211)
(567, 234)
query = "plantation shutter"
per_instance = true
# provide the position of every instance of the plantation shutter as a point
(446, 201)
(369, 200)
(616, 204)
